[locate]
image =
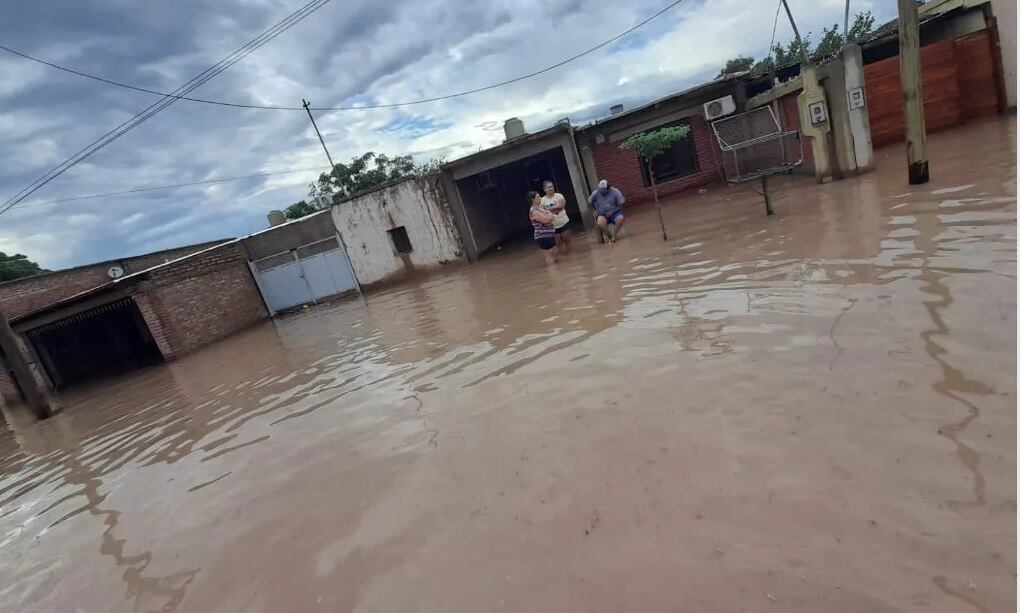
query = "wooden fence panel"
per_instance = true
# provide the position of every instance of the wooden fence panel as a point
(939, 83)
(976, 77)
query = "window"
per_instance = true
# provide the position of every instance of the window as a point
(681, 159)
(400, 240)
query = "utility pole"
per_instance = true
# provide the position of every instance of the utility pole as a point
(309, 111)
(35, 398)
(796, 34)
(913, 99)
(846, 23)
(813, 107)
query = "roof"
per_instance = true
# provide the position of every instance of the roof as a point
(689, 92)
(200, 246)
(934, 9)
(53, 306)
(510, 144)
(115, 283)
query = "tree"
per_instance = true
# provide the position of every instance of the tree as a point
(17, 266)
(298, 210)
(361, 174)
(650, 145)
(741, 63)
(788, 54)
(369, 170)
(832, 39)
(430, 166)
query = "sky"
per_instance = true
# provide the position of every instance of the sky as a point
(349, 52)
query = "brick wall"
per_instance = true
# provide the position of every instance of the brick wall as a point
(958, 81)
(32, 293)
(193, 302)
(623, 169)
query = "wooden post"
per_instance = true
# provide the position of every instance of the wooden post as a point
(655, 193)
(35, 398)
(913, 100)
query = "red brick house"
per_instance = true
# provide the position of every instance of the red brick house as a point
(142, 318)
(691, 163)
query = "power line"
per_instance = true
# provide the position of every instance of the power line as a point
(145, 114)
(173, 186)
(347, 108)
(262, 39)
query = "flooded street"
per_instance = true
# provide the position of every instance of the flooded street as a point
(809, 412)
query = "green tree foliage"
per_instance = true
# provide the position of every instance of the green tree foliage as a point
(298, 210)
(650, 145)
(430, 166)
(735, 65)
(790, 53)
(366, 171)
(361, 174)
(17, 266)
(832, 38)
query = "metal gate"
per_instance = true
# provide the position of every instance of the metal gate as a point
(306, 274)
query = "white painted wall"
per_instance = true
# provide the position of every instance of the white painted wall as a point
(417, 204)
(1005, 17)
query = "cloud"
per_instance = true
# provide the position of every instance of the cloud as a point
(356, 51)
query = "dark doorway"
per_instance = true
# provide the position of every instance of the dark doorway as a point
(494, 200)
(102, 341)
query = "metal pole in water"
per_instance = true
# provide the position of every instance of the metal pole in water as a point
(765, 193)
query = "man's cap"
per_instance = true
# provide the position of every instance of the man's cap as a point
(603, 184)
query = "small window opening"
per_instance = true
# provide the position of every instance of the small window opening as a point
(400, 240)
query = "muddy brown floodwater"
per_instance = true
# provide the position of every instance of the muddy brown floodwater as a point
(811, 412)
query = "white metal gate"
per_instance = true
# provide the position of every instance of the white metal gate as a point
(306, 274)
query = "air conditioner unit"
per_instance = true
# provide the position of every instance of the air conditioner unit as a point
(720, 107)
(485, 180)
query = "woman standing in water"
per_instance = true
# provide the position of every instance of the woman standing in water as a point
(542, 220)
(556, 204)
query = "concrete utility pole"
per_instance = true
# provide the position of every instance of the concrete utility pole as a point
(36, 400)
(814, 123)
(846, 23)
(913, 100)
(796, 34)
(306, 104)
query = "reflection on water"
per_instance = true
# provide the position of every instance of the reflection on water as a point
(839, 376)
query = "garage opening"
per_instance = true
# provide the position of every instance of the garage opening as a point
(494, 200)
(102, 341)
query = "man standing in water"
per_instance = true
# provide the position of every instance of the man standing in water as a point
(607, 203)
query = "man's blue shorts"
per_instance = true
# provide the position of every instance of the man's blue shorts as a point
(612, 217)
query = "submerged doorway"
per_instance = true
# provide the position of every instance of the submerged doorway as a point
(106, 340)
(494, 199)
